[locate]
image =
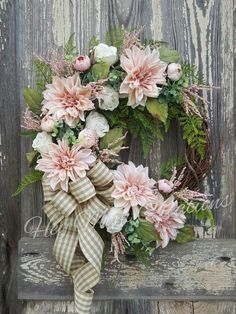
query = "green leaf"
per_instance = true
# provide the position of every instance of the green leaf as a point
(115, 38)
(33, 100)
(157, 109)
(32, 157)
(94, 41)
(29, 133)
(146, 231)
(111, 137)
(100, 70)
(70, 45)
(43, 73)
(31, 177)
(168, 55)
(185, 234)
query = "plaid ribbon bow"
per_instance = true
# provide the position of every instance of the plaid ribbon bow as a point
(77, 212)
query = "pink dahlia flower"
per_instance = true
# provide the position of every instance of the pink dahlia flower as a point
(63, 163)
(66, 99)
(166, 217)
(144, 71)
(133, 188)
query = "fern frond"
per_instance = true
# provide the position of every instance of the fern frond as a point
(70, 45)
(30, 178)
(166, 167)
(43, 74)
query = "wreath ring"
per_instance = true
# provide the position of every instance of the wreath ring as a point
(79, 114)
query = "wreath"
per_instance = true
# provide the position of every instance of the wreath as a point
(83, 113)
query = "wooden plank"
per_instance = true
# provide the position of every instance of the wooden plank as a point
(202, 31)
(43, 26)
(203, 269)
(214, 307)
(168, 307)
(9, 158)
(98, 307)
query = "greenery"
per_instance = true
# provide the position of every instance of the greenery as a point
(167, 167)
(142, 238)
(193, 133)
(111, 140)
(185, 234)
(31, 177)
(199, 210)
(43, 74)
(33, 100)
(70, 48)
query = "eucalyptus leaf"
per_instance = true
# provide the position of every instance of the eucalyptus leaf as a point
(168, 55)
(33, 100)
(185, 234)
(111, 137)
(157, 109)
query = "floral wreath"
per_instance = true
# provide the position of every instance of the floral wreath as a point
(79, 116)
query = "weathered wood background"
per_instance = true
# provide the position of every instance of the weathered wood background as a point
(203, 32)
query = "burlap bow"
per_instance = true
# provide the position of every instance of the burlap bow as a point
(76, 212)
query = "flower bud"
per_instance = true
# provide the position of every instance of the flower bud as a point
(174, 71)
(165, 186)
(87, 138)
(82, 63)
(47, 124)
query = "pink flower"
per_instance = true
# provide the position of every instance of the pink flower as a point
(82, 63)
(165, 186)
(65, 99)
(47, 123)
(63, 163)
(144, 72)
(166, 217)
(31, 121)
(87, 138)
(133, 187)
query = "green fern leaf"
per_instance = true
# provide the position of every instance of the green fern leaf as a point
(30, 178)
(70, 45)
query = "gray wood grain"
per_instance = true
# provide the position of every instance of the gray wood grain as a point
(203, 269)
(9, 158)
(214, 307)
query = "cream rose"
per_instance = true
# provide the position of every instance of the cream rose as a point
(97, 122)
(114, 220)
(42, 142)
(105, 53)
(109, 99)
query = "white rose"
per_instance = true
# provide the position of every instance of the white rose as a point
(174, 71)
(42, 142)
(114, 220)
(108, 99)
(105, 53)
(96, 121)
(48, 124)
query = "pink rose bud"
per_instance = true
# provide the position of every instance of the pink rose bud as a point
(47, 124)
(82, 63)
(87, 138)
(174, 71)
(165, 186)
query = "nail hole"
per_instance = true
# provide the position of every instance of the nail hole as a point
(225, 258)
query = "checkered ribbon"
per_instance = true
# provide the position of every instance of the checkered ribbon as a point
(76, 213)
